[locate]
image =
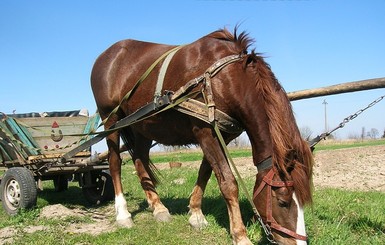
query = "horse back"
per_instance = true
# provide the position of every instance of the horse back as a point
(118, 68)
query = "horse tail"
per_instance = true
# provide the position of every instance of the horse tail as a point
(129, 141)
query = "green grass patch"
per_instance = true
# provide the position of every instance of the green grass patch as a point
(334, 145)
(346, 217)
(337, 216)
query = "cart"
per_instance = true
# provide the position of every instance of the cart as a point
(31, 150)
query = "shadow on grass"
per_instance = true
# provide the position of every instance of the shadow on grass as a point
(71, 197)
(212, 206)
(366, 223)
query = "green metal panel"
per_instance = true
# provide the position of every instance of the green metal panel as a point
(91, 126)
(16, 145)
(20, 132)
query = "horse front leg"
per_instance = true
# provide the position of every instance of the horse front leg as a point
(197, 219)
(147, 179)
(123, 217)
(227, 183)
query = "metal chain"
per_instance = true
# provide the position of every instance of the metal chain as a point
(342, 124)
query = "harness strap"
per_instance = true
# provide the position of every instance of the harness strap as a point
(265, 164)
(211, 72)
(199, 110)
(162, 104)
(162, 72)
(274, 225)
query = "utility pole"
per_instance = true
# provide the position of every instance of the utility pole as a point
(326, 122)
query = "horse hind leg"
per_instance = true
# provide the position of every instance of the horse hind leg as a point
(147, 177)
(197, 220)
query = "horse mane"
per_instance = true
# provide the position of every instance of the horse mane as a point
(241, 41)
(290, 152)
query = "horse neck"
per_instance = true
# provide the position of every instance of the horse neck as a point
(265, 112)
(255, 122)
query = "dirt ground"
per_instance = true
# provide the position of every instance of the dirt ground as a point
(360, 168)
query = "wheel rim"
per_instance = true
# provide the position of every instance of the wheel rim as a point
(13, 194)
(100, 185)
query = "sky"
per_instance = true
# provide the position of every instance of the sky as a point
(47, 49)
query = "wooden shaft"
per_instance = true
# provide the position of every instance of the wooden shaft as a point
(338, 89)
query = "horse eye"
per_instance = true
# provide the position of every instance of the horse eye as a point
(283, 204)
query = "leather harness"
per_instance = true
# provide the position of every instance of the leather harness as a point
(269, 182)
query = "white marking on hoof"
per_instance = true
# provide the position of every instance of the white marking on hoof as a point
(121, 208)
(197, 220)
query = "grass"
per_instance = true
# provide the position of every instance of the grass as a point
(190, 155)
(334, 145)
(346, 217)
(337, 216)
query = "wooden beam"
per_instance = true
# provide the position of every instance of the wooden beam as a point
(338, 89)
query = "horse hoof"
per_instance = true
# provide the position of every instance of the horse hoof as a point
(125, 223)
(198, 222)
(163, 216)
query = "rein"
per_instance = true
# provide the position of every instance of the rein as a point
(270, 183)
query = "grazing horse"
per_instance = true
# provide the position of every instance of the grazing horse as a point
(244, 89)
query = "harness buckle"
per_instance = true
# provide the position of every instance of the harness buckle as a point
(161, 101)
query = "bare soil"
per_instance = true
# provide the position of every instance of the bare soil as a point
(359, 168)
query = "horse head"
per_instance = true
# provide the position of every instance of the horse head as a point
(284, 160)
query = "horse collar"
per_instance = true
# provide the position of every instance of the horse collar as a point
(265, 164)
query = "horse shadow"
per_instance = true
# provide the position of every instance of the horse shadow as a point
(73, 196)
(213, 206)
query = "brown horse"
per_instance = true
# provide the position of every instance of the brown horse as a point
(246, 90)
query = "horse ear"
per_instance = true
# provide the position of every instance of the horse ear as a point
(250, 59)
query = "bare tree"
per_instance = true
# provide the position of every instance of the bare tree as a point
(353, 136)
(305, 132)
(373, 133)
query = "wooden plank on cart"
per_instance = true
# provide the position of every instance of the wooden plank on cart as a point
(55, 134)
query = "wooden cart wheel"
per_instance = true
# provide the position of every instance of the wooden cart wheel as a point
(101, 188)
(18, 190)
